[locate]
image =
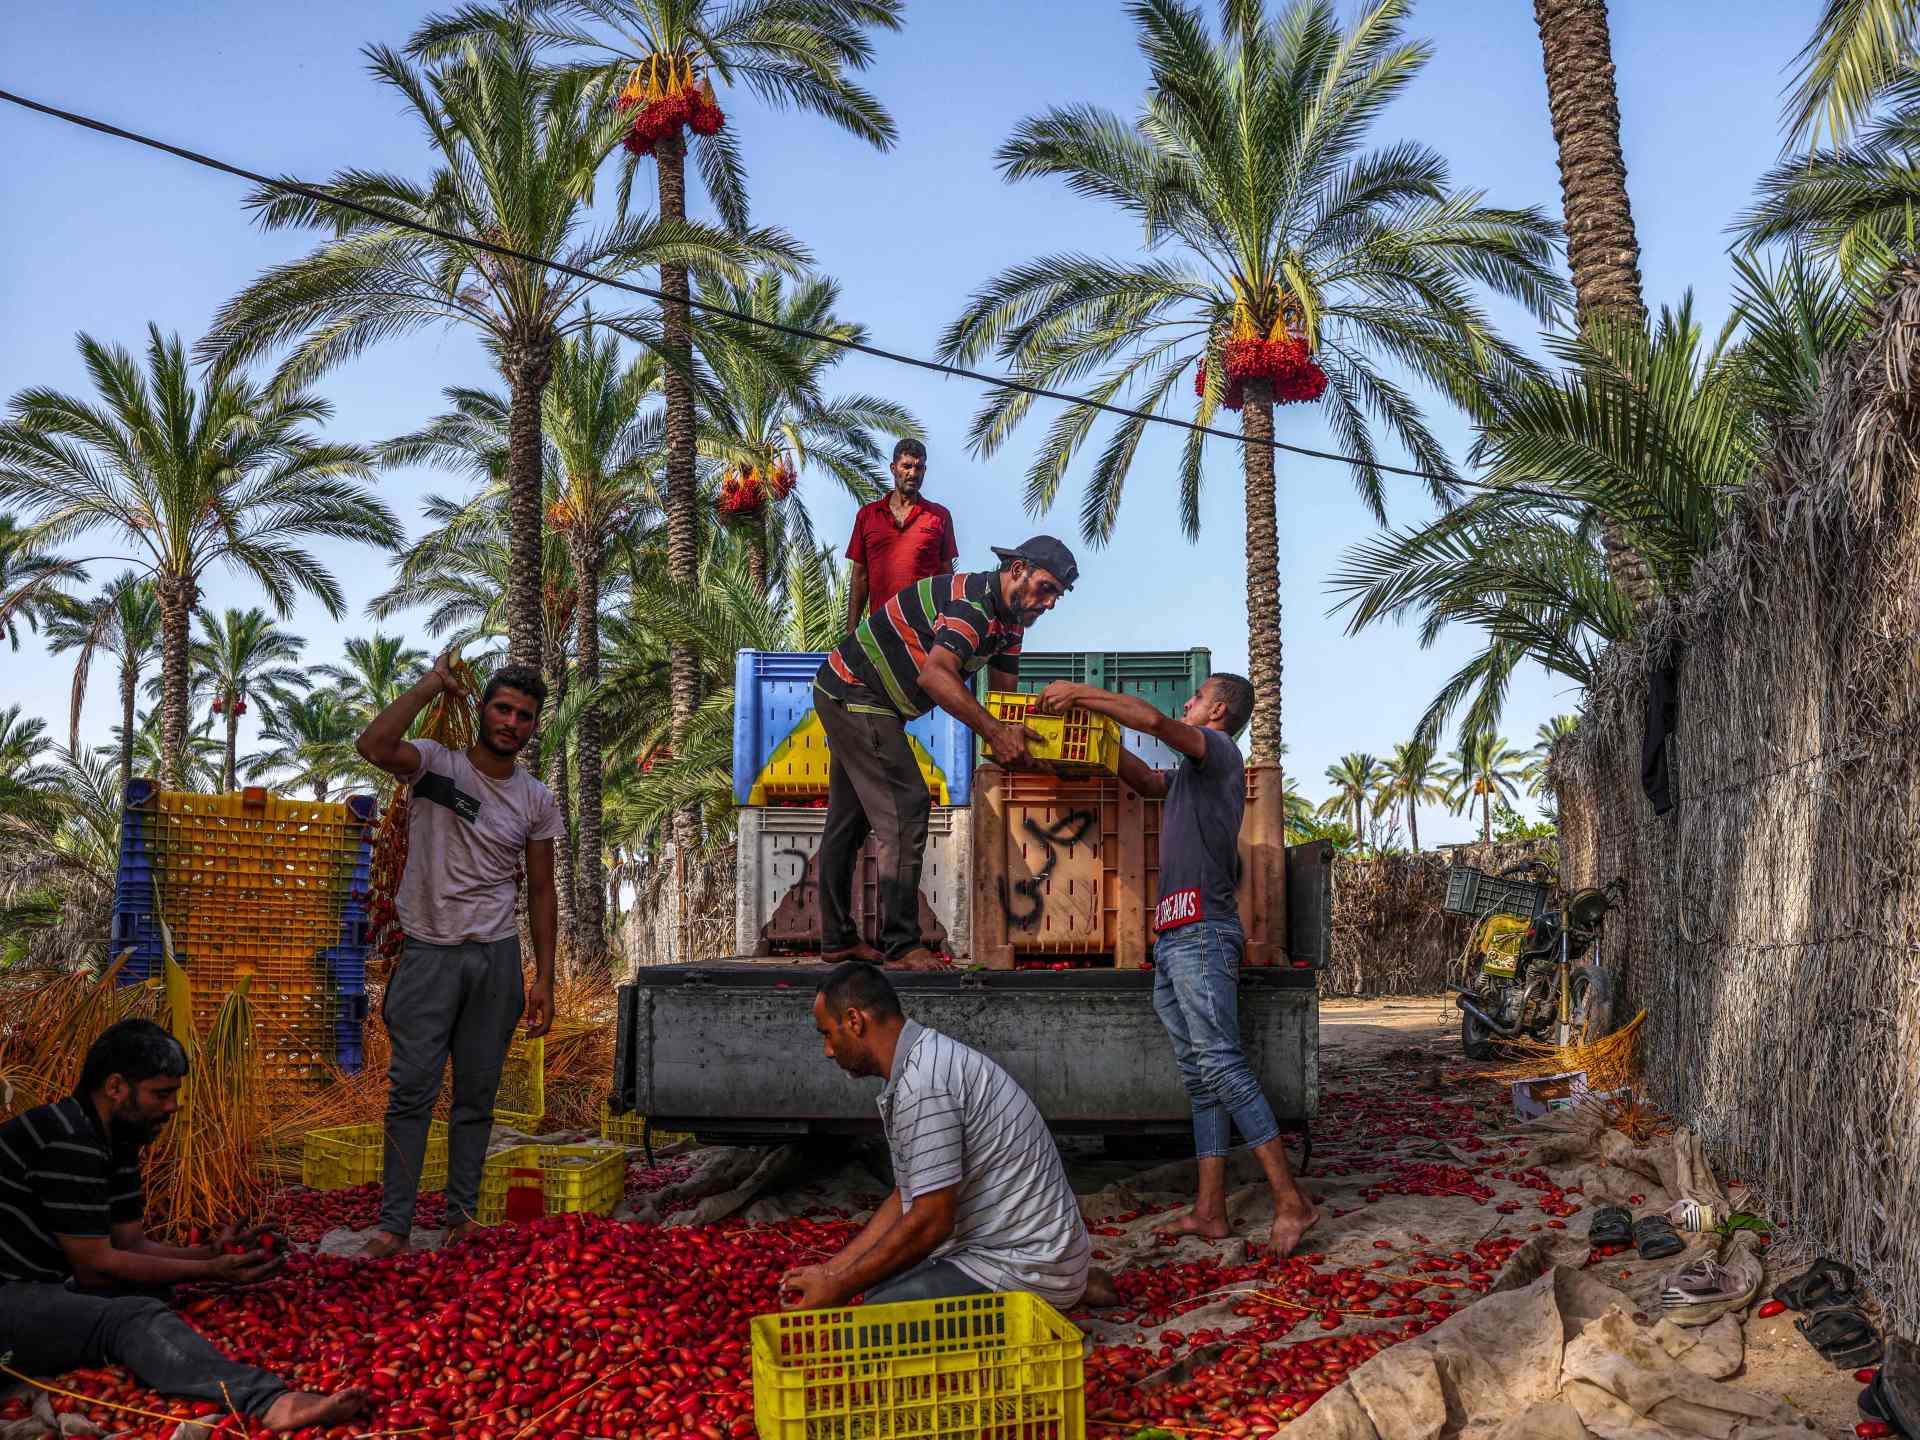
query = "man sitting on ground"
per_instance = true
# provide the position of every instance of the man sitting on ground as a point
(77, 1271)
(1198, 939)
(981, 1200)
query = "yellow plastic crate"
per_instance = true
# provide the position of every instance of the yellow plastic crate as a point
(589, 1178)
(522, 1098)
(1005, 1366)
(798, 767)
(631, 1130)
(1077, 742)
(346, 1155)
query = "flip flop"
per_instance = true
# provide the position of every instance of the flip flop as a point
(1874, 1405)
(1655, 1237)
(1842, 1335)
(1825, 1282)
(1611, 1225)
(1897, 1387)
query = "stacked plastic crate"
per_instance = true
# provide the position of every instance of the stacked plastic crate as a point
(780, 784)
(255, 885)
(1067, 868)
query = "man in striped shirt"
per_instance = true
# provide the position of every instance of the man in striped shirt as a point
(77, 1269)
(981, 1200)
(921, 649)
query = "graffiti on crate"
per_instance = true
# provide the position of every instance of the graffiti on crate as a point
(1069, 830)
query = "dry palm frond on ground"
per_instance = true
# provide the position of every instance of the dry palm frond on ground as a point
(1610, 1062)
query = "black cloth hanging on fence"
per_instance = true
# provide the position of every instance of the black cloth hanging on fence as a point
(1663, 718)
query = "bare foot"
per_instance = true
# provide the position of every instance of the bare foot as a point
(1101, 1293)
(1291, 1224)
(384, 1246)
(862, 951)
(1194, 1223)
(465, 1230)
(297, 1409)
(921, 959)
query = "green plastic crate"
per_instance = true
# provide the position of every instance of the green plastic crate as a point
(1165, 679)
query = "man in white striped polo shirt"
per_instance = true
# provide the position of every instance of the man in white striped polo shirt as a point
(981, 1200)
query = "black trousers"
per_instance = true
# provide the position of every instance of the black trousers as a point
(874, 786)
(52, 1329)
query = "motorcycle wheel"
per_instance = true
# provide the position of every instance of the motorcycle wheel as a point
(1588, 1001)
(1476, 1039)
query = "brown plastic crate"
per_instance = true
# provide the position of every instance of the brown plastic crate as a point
(1069, 866)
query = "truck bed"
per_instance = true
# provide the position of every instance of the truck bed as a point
(728, 1050)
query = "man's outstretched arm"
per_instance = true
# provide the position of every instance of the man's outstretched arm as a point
(1130, 710)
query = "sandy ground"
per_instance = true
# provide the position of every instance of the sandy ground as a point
(1778, 1361)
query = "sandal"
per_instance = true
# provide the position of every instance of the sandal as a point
(1611, 1225)
(1842, 1335)
(1655, 1237)
(1825, 1282)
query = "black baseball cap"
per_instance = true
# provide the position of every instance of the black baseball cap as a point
(1047, 553)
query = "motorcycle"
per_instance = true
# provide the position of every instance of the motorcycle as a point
(1524, 958)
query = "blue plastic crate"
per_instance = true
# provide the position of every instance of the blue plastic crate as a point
(773, 701)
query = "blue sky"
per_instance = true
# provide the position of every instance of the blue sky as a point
(104, 237)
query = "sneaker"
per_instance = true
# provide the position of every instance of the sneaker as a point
(1700, 1293)
(1691, 1215)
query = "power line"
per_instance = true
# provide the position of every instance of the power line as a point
(960, 372)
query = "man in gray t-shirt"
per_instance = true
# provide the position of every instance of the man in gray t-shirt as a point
(475, 819)
(1198, 939)
(981, 1200)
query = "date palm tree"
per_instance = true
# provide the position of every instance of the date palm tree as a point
(123, 621)
(309, 739)
(1603, 249)
(776, 415)
(1547, 735)
(1486, 771)
(1860, 50)
(242, 656)
(1412, 778)
(516, 147)
(1356, 781)
(603, 442)
(792, 54)
(726, 614)
(1653, 429)
(1852, 195)
(225, 472)
(198, 764)
(59, 845)
(30, 583)
(23, 740)
(375, 670)
(1262, 208)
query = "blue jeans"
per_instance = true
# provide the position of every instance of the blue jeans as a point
(1196, 991)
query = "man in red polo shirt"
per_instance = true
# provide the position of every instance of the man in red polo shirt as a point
(898, 540)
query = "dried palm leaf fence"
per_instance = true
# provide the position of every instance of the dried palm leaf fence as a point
(680, 917)
(1772, 929)
(1390, 936)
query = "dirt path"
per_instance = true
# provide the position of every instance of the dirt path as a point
(1390, 1032)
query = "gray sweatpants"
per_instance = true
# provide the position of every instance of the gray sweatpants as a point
(51, 1330)
(445, 1000)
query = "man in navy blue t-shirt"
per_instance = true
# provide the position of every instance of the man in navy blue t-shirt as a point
(1198, 940)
